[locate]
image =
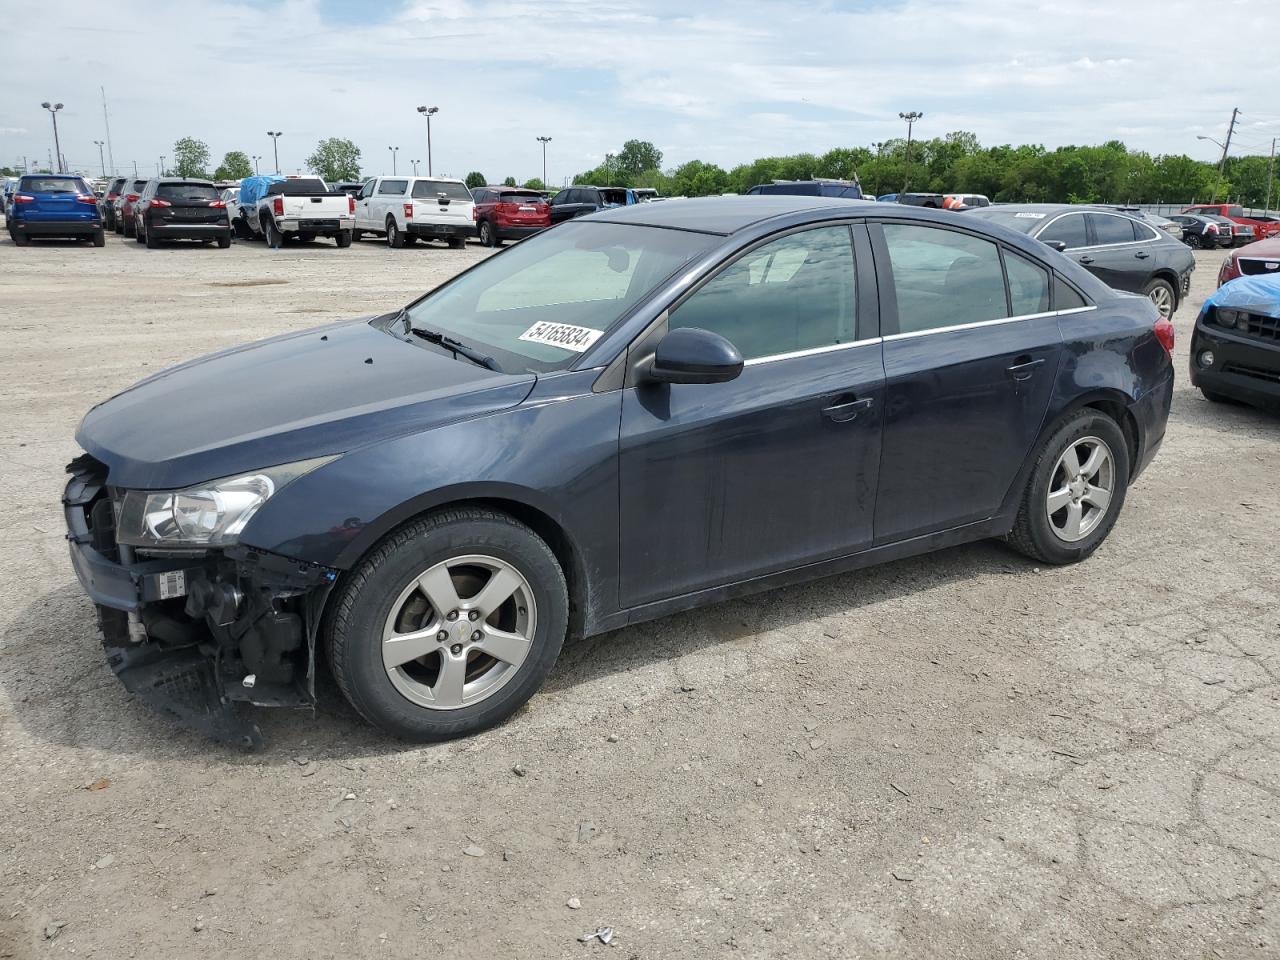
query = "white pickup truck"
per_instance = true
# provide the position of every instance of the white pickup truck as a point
(406, 209)
(300, 208)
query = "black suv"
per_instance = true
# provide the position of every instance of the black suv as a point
(1121, 251)
(577, 200)
(849, 189)
(174, 208)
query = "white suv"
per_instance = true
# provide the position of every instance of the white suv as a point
(405, 209)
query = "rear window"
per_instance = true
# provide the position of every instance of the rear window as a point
(1024, 221)
(520, 196)
(53, 185)
(431, 189)
(1235, 211)
(187, 191)
(302, 187)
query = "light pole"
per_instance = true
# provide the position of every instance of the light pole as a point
(608, 169)
(161, 173)
(99, 144)
(256, 158)
(428, 112)
(394, 151)
(911, 118)
(544, 141)
(57, 148)
(415, 167)
(275, 136)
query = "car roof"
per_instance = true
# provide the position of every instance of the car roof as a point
(726, 215)
(183, 180)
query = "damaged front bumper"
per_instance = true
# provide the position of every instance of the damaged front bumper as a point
(197, 634)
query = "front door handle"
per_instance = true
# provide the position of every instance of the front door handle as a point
(845, 409)
(1086, 260)
(1023, 370)
(1142, 254)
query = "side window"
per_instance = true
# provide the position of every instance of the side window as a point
(367, 190)
(393, 188)
(1065, 296)
(1143, 232)
(1028, 285)
(1069, 229)
(943, 278)
(1110, 230)
(795, 293)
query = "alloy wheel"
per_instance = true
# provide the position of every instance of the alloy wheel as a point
(1163, 300)
(1080, 489)
(459, 632)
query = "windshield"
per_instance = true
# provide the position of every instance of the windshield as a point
(54, 185)
(542, 302)
(1024, 221)
(431, 189)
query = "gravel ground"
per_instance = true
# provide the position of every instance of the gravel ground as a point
(955, 756)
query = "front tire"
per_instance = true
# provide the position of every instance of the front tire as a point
(449, 625)
(1075, 492)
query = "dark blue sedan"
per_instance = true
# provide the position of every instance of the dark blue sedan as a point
(634, 413)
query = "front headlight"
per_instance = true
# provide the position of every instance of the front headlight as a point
(209, 514)
(1228, 318)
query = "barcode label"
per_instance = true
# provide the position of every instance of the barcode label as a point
(172, 584)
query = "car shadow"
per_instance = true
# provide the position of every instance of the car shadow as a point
(62, 691)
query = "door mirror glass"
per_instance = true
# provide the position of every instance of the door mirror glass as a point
(1059, 245)
(690, 355)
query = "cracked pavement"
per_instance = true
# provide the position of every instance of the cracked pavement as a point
(959, 755)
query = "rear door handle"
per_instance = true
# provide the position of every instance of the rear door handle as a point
(846, 409)
(1086, 260)
(1022, 371)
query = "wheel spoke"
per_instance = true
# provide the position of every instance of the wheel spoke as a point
(447, 691)
(1100, 497)
(1059, 499)
(503, 645)
(1097, 456)
(437, 584)
(1071, 462)
(1075, 513)
(399, 648)
(502, 584)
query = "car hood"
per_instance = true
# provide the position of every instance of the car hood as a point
(315, 393)
(1268, 249)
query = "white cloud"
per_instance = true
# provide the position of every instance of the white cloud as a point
(725, 83)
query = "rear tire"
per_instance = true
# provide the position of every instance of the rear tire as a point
(275, 239)
(152, 242)
(1040, 534)
(457, 243)
(342, 239)
(128, 229)
(1160, 292)
(20, 239)
(99, 237)
(488, 235)
(241, 229)
(224, 242)
(395, 238)
(380, 595)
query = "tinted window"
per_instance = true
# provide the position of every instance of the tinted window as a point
(1028, 285)
(1069, 229)
(480, 196)
(297, 187)
(138, 186)
(519, 196)
(393, 188)
(1235, 212)
(187, 191)
(1107, 230)
(433, 189)
(367, 189)
(796, 293)
(1065, 296)
(53, 185)
(1143, 232)
(943, 278)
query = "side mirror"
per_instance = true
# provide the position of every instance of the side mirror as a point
(691, 355)
(1059, 245)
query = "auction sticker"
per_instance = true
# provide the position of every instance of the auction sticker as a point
(1028, 215)
(563, 335)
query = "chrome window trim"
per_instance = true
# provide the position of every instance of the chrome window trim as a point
(1098, 246)
(812, 351)
(987, 323)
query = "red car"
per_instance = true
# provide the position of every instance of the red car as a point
(1234, 212)
(1262, 257)
(509, 213)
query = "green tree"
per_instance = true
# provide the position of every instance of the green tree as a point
(334, 160)
(509, 182)
(190, 158)
(534, 184)
(636, 156)
(235, 166)
(475, 179)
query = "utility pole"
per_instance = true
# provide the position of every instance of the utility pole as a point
(911, 118)
(99, 143)
(1231, 128)
(57, 148)
(1271, 167)
(428, 112)
(544, 141)
(275, 136)
(106, 121)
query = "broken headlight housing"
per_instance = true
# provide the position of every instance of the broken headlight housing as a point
(211, 514)
(1230, 318)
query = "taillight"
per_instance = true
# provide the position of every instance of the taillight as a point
(219, 204)
(351, 204)
(1229, 271)
(277, 206)
(157, 202)
(23, 198)
(1211, 228)
(86, 198)
(1164, 333)
(474, 214)
(131, 198)
(408, 211)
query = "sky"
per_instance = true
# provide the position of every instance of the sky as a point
(725, 83)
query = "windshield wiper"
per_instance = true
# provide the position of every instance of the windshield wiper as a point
(457, 346)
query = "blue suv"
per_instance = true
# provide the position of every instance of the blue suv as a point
(54, 205)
